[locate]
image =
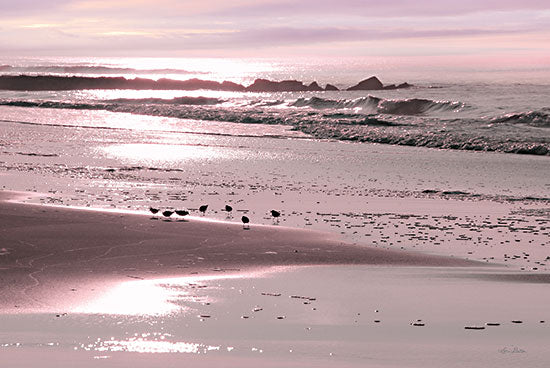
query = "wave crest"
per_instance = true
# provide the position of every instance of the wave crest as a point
(413, 106)
(539, 119)
(173, 101)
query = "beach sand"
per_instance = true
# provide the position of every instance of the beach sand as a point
(395, 235)
(46, 246)
(100, 288)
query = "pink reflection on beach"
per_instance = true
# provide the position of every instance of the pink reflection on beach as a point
(143, 297)
(153, 297)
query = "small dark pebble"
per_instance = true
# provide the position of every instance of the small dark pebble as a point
(271, 294)
(474, 328)
(517, 321)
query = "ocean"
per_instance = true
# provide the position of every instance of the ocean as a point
(460, 108)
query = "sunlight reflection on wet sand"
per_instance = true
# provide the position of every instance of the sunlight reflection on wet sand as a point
(161, 153)
(149, 343)
(152, 297)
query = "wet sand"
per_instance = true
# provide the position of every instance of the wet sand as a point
(47, 249)
(100, 288)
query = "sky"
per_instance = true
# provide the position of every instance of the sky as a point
(518, 30)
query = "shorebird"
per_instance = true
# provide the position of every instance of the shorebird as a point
(154, 211)
(228, 209)
(203, 208)
(167, 213)
(245, 221)
(182, 213)
(275, 215)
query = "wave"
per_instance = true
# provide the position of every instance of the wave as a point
(263, 103)
(89, 69)
(322, 103)
(367, 105)
(413, 106)
(416, 106)
(442, 139)
(55, 105)
(420, 131)
(173, 101)
(539, 119)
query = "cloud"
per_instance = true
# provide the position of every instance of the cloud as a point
(260, 38)
(283, 36)
(27, 7)
(183, 25)
(377, 8)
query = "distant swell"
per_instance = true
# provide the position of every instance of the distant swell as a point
(173, 101)
(87, 69)
(413, 106)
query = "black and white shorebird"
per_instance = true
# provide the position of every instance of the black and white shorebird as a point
(203, 209)
(182, 213)
(228, 209)
(245, 221)
(276, 214)
(153, 210)
(167, 213)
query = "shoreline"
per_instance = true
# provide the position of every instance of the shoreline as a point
(48, 248)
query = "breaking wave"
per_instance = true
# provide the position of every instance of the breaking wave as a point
(173, 101)
(517, 133)
(366, 105)
(412, 106)
(539, 119)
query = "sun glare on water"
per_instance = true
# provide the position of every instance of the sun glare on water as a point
(238, 70)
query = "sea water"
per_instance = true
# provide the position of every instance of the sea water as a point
(464, 108)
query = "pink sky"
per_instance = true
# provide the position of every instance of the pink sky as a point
(518, 29)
